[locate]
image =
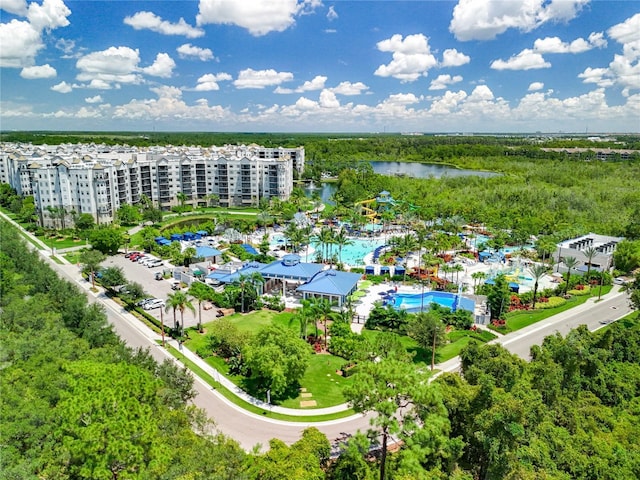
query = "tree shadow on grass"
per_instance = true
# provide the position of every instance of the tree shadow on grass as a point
(258, 390)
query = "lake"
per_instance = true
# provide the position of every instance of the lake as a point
(416, 170)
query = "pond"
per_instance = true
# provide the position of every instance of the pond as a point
(416, 170)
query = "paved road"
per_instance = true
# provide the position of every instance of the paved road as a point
(249, 429)
(592, 314)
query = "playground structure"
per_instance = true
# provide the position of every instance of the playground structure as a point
(429, 274)
(366, 211)
(373, 207)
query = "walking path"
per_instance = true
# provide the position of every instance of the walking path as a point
(448, 366)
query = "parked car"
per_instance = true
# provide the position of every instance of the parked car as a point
(136, 256)
(128, 255)
(158, 276)
(154, 263)
(175, 286)
(153, 304)
(142, 302)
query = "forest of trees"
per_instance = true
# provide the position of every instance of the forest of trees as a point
(77, 403)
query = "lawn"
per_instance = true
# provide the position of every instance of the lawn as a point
(320, 379)
(457, 340)
(523, 318)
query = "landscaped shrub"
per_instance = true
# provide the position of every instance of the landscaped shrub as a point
(273, 302)
(584, 290)
(551, 302)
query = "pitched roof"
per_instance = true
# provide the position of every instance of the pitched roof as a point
(291, 268)
(331, 282)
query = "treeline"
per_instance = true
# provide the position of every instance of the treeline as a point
(532, 196)
(77, 403)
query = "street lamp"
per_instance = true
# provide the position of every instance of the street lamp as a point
(162, 325)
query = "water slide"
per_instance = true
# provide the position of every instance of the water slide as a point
(367, 211)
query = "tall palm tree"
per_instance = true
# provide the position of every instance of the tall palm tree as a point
(304, 316)
(248, 285)
(590, 254)
(341, 240)
(477, 277)
(537, 272)
(200, 292)
(183, 302)
(323, 308)
(173, 300)
(570, 262)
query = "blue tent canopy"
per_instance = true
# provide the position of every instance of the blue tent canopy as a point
(176, 236)
(207, 252)
(203, 233)
(384, 270)
(369, 270)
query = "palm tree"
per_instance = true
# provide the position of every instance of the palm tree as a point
(590, 253)
(323, 308)
(570, 262)
(248, 286)
(341, 240)
(182, 198)
(477, 277)
(304, 316)
(201, 292)
(182, 302)
(537, 272)
(456, 268)
(173, 300)
(188, 254)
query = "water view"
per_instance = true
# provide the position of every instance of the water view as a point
(416, 170)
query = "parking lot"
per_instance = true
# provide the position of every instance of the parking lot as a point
(135, 272)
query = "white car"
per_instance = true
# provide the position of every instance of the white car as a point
(154, 263)
(146, 261)
(153, 304)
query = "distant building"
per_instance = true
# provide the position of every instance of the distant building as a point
(98, 179)
(577, 248)
(596, 153)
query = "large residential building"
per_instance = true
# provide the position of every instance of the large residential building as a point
(591, 248)
(98, 179)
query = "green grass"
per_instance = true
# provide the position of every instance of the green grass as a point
(322, 382)
(523, 318)
(249, 407)
(64, 242)
(458, 339)
(320, 379)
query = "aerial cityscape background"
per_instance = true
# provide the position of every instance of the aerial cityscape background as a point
(289, 65)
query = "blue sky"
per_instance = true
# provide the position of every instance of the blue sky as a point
(319, 66)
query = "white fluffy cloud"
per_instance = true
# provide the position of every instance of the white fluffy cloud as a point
(535, 86)
(94, 99)
(209, 81)
(162, 66)
(348, 88)
(453, 58)
(17, 7)
(412, 57)
(250, 78)
(40, 71)
(579, 45)
(328, 99)
(525, 60)
(62, 87)
(443, 81)
(190, 51)
(331, 14)
(113, 65)
(628, 34)
(259, 17)
(22, 40)
(150, 21)
(485, 19)
(316, 84)
(624, 69)
(120, 65)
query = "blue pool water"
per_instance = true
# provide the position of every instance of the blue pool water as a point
(413, 302)
(351, 254)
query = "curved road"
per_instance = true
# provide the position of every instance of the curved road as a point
(250, 429)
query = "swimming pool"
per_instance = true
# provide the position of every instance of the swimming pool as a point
(352, 254)
(414, 302)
